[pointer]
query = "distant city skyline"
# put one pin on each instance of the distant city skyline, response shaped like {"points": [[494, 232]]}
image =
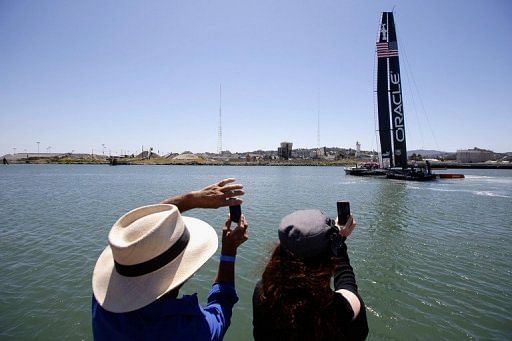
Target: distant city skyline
{"points": [[83, 76]]}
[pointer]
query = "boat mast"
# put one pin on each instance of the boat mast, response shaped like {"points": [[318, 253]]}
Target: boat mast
{"points": [[396, 100]]}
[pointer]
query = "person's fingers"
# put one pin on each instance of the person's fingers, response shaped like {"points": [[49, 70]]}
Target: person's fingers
{"points": [[238, 192], [232, 187], [346, 230], [227, 224], [233, 193], [349, 220], [349, 225], [337, 222], [241, 226], [349, 230], [243, 222], [352, 222], [223, 182], [232, 202], [245, 235], [239, 235]]}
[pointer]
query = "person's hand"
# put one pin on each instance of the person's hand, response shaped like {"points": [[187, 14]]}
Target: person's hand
{"points": [[346, 230], [233, 238], [222, 193]]}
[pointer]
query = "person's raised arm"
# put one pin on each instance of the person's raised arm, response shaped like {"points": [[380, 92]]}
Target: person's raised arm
{"points": [[219, 194], [344, 278], [231, 240], [223, 295]]}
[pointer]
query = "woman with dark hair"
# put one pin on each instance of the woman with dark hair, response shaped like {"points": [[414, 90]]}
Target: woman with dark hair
{"points": [[294, 299]]}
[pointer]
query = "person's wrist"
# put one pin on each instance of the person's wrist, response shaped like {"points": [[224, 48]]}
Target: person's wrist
{"points": [[228, 251], [187, 202], [227, 259], [183, 202]]}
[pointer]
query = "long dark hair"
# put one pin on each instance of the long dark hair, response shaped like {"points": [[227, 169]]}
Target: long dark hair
{"points": [[298, 296]]}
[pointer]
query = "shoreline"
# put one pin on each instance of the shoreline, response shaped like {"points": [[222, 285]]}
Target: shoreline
{"points": [[265, 163]]}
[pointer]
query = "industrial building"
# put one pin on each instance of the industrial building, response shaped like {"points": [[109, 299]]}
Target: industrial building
{"points": [[285, 151], [474, 155]]}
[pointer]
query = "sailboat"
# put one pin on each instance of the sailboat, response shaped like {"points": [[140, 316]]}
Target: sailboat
{"points": [[393, 157]]}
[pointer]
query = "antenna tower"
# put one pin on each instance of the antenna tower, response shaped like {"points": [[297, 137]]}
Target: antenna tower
{"points": [[219, 132], [318, 121]]}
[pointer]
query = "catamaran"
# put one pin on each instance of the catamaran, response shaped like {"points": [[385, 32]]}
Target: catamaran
{"points": [[393, 156]]}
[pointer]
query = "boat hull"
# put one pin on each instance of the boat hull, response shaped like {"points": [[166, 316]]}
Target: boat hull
{"points": [[365, 172], [451, 176], [410, 175]]}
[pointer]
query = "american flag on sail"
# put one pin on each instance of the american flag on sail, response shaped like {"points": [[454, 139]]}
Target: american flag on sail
{"points": [[387, 49]]}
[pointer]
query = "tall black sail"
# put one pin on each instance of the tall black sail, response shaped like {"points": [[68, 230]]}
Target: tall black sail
{"points": [[383, 95], [389, 95]]}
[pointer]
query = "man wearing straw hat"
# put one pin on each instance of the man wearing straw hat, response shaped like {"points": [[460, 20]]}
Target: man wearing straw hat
{"points": [[152, 251]]}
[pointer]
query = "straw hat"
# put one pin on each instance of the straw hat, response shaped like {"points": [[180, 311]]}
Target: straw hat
{"points": [[152, 250]]}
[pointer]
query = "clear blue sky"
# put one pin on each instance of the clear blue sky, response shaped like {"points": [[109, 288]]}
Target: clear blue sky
{"points": [[78, 74]]}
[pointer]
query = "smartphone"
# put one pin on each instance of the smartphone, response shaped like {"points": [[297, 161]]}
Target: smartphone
{"points": [[235, 213], [343, 212]]}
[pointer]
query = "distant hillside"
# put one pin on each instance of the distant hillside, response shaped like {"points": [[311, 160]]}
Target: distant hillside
{"points": [[426, 152]]}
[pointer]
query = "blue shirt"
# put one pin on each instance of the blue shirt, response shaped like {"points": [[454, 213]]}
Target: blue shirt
{"points": [[169, 318]]}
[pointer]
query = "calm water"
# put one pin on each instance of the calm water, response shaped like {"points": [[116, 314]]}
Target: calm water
{"points": [[432, 259]]}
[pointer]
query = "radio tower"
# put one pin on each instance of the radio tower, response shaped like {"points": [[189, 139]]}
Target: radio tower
{"points": [[318, 122], [219, 132]]}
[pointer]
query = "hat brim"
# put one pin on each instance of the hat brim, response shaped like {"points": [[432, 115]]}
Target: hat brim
{"points": [[119, 294]]}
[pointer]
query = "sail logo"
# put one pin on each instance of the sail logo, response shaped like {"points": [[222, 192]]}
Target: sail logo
{"points": [[398, 114]]}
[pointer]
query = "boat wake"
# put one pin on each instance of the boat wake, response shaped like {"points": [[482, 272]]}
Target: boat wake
{"points": [[491, 194], [482, 193], [491, 179]]}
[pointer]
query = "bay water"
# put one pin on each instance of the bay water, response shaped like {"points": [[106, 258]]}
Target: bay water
{"points": [[432, 260]]}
